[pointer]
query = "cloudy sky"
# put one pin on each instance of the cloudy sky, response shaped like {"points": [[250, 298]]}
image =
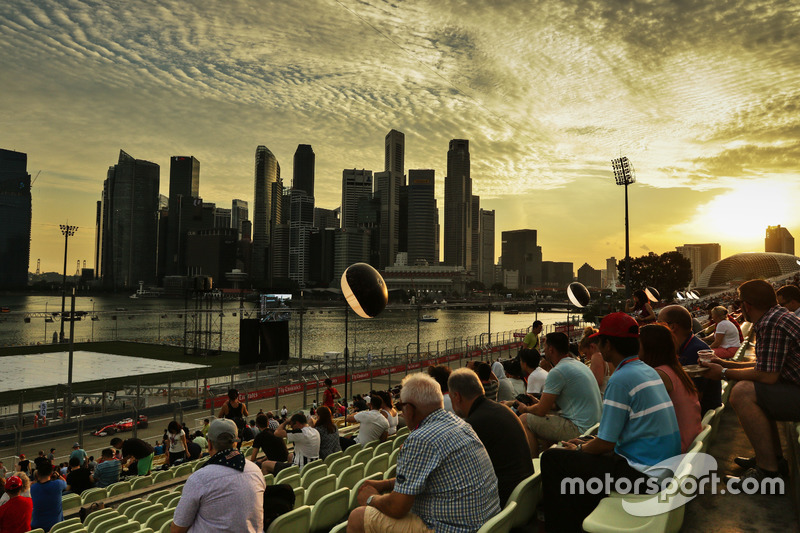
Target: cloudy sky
{"points": [[703, 96]]}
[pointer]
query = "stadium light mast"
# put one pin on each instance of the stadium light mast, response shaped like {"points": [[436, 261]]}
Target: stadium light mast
{"points": [[68, 231], [624, 175]]}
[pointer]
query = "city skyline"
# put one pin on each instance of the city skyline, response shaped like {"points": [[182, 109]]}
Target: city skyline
{"points": [[702, 104]]}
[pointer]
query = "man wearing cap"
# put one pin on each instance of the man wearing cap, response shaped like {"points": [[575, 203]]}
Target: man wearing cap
{"points": [[15, 514], [226, 494], [79, 453], [638, 429]]}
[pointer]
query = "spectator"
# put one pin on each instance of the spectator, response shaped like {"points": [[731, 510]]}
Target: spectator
{"points": [[79, 478], [107, 472], [373, 425], [227, 493], [306, 444], [328, 432], [205, 427], [498, 369], [233, 409], [41, 459], [52, 456], [274, 448], [531, 340], [679, 321], [571, 386], [177, 443], [135, 453], [488, 380], [3, 470], [330, 394], [389, 411], [498, 428], [640, 308], [445, 480], [63, 469], [158, 448], [359, 403], [273, 423], [725, 339], [789, 297], [91, 463], [46, 496], [24, 465], [254, 428], [638, 430], [658, 350], [768, 390], [15, 516], [441, 373], [26, 488], [513, 385], [193, 450], [78, 452], [201, 441], [284, 413], [601, 369], [246, 433], [529, 361]]}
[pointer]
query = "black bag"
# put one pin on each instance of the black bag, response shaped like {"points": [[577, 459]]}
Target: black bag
{"points": [[278, 500]]}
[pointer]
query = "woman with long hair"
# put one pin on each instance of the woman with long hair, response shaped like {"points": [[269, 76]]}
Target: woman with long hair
{"points": [[657, 348], [640, 308], [601, 369], [388, 410], [177, 443], [328, 432]]}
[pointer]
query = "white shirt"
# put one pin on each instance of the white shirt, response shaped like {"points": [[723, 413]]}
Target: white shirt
{"points": [[536, 380], [731, 338], [448, 403], [499, 371], [373, 424], [306, 445]]}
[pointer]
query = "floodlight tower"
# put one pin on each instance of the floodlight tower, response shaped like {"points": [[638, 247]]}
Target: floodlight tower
{"points": [[625, 175], [68, 231]]}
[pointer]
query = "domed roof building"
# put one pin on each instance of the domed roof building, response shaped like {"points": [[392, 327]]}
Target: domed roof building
{"points": [[742, 267]]}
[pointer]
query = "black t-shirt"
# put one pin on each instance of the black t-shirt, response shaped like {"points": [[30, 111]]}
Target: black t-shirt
{"points": [[273, 447], [78, 480], [40, 461], [246, 433], [138, 448], [24, 465], [194, 450]]}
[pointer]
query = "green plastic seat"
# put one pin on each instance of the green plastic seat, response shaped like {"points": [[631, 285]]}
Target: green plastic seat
{"points": [[74, 528], [402, 431], [154, 496], [65, 524], [158, 519], [591, 431], [269, 479], [184, 470], [333, 457], [706, 421], [527, 494], [329, 510], [352, 450], [378, 464], [341, 528], [141, 482], [703, 437], [391, 472], [319, 488], [171, 502], [354, 492], [338, 466], [120, 487], [166, 475], [179, 489], [372, 444], [164, 498], [350, 476], [93, 495], [299, 497], [384, 447], [292, 481], [312, 473], [132, 507], [364, 455], [501, 522], [143, 514], [107, 522], [130, 527], [399, 440], [297, 520], [715, 422], [393, 456], [97, 516], [166, 527], [286, 472], [38, 530], [70, 501]]}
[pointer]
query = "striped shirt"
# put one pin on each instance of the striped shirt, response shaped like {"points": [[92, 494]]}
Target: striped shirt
{"points": [[444, 465], [639, 416], [778, 344]]}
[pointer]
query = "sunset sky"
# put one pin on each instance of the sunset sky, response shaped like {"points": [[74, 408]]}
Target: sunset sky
{"points": [[702, 96]]}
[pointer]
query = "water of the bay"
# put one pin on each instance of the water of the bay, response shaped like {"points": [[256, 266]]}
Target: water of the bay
{"points": [[154, 320]]}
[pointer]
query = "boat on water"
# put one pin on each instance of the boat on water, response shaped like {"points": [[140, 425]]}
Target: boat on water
{"points": [[5, 309], [141, 292], [510, 311], [428, 318]]}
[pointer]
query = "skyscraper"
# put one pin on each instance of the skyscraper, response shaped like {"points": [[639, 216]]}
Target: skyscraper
{"points": [[130, 223], [458, 206], [387, 191], [266, 210], [394, 153], [421, 217], [486, 247], [356, 184], [475, 213], [184, 193], [700, 256], [303, 169], [326, 218], [522, 254], [301, 213], [779, 240], [15, 219], [239, 214]]}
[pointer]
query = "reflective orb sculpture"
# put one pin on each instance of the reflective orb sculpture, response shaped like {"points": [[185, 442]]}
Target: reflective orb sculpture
{"points": [[364, 289], [652, 294], [578, 294], [679, 296]]}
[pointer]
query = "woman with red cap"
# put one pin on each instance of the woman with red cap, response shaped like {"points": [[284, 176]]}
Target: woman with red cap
{"points": [[15, 515]]}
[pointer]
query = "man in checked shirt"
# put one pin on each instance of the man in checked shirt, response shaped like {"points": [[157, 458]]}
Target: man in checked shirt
{"points": [[445, 481]]}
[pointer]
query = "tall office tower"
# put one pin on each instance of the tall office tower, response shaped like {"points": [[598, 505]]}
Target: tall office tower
{"points": [[279, 254], [779, 240], [303, 169], [394, 153], [522, 254], [322, 255], [222, 217], [486, 247], [402, 245], [326, 218], [130, 223], [556, 275], [15, 219], [700, 256], [476, 235], [421, 217], [356, 184], [438, 239], [301, 220], [387, 190], [266, 205], [589, 276], [184, 193], [238, 214], [458, 206], [611, 272]]}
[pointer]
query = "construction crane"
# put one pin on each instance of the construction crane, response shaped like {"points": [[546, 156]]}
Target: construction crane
{"points": [[78, 269], [38, 265]]}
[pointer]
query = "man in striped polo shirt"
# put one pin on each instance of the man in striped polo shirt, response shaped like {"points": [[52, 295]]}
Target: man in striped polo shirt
{"points": [[638, 429]]}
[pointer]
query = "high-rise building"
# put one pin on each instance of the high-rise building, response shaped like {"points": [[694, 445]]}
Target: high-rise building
{"points": [[589, 276], [611, 272], [326, 218], [521, 253], [184, 195], [458, 206], [356, 184], [421, 217], [266, 210], [394, 153], [303, 169], [475, 210], [301, 221], [486, 247], [779, 240], [15, 219], [222, 217], [130, 223], [700, 256], [238, 215], [557, 274], [387, 191]]}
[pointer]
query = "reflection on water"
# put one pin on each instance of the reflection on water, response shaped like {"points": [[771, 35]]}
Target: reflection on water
{"points": [[162, 320]]}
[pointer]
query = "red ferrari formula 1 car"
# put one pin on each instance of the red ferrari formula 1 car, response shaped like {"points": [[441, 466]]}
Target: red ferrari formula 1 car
{"points": [[126, 424]]}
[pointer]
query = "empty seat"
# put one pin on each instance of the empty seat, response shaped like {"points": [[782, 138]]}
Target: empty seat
{"points": [[154, 496], [299, 497], [372, 444], [350, 476], [378, 464], [286, 472], [313, 473], [527, 495], [130, 527], [333, 457], [352, 450], [158, 477], [107, 522], [297, 520], [338, 466], [399, 440], [391, 472], [320, 488], [144, 513], [121, 487], [98, 515], [141, 482], [329, 510], [384, 447], [159, 519], [364, 455], [70, 501], [65, 524], [501, 522], [269, 479], [93, 495], [184, 470], [133, 507]]}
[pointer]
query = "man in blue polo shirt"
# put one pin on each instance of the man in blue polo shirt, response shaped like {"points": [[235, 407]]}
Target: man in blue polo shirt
{"points": [[638, 425]]}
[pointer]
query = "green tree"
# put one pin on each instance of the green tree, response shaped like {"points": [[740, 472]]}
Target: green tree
{"points": [[667, 272]]}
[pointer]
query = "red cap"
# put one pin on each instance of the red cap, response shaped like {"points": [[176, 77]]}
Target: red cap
{"points": [[22, 456], [13, 483], [618, 325]]}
